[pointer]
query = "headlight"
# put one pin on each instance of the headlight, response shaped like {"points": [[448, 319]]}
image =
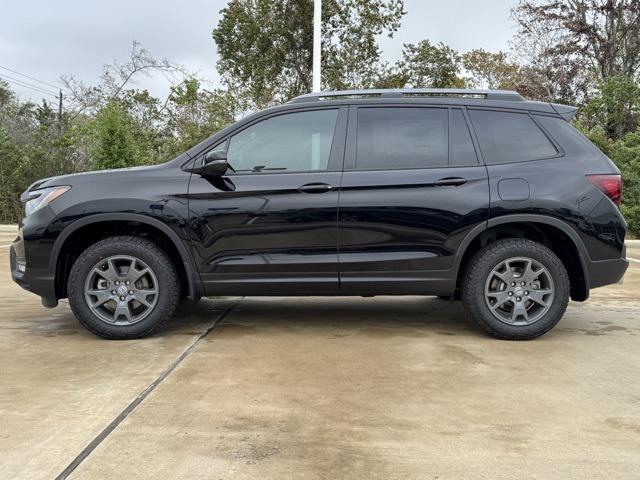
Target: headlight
{"points": [[40, 198]]}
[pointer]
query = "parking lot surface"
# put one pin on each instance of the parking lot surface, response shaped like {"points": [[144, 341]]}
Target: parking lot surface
{"points": [[317, 388]]}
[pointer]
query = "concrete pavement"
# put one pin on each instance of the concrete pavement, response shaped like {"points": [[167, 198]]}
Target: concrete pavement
{"points": [[320, 388]]}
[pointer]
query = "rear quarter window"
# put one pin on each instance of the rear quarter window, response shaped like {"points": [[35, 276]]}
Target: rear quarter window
{"points": [[567, 136], [507, 137]]}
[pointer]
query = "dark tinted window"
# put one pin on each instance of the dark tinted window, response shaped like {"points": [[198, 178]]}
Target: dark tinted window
{"points": [[509, 137], [462, 151], [401, 138], [570, 139], [292, 142]]}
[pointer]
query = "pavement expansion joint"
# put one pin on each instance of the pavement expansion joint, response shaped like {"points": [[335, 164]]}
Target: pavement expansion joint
{"points": [[91, 446]]}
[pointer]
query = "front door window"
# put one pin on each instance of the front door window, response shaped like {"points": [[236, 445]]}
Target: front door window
{"points": [[294, 142]]}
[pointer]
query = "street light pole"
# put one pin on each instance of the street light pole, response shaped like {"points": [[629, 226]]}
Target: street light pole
{"points": [[317, 46]]}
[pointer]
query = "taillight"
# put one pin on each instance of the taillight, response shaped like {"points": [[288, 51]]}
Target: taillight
{"points": [[610, 185]]}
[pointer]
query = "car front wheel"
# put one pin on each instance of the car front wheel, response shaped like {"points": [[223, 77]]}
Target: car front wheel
{"points": [[123, 287]]}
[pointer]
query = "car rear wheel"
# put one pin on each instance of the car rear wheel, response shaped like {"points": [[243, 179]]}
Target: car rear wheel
{"points": [[123, 287], [516, 289]]}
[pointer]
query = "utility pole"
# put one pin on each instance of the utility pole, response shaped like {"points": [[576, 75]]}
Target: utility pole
{"points": [[60, 154], [60, 107], [317, 45]]}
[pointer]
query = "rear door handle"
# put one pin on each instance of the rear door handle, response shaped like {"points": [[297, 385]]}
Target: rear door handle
{"points": [[451, 182], [315, 188]]}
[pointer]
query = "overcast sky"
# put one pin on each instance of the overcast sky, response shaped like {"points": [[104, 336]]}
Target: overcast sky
{"points": [[45, 39]]}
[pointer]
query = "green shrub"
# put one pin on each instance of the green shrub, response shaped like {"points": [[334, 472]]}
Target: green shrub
{"points": [[614, 106], [626, 155], [115, 145], [632, 216]]}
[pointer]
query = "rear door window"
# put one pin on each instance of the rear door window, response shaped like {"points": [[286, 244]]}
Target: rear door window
{"points": [[507, 137], [396, 138]]}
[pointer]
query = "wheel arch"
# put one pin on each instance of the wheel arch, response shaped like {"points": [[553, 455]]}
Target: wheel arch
{"points": [[552, 232], [61, 256]]}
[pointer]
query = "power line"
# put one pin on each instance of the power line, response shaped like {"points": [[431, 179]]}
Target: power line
{"points": [[26, 85], [32, 78], [3, 75]]}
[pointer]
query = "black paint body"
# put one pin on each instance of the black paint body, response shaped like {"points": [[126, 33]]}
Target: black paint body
{"points": [[369, 232]]}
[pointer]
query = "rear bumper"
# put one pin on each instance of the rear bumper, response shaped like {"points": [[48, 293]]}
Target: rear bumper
{"points": [[606, 272]]}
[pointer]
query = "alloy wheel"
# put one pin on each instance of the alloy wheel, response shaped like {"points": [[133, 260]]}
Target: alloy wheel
{"points": [[519, 291], [121, 290]]}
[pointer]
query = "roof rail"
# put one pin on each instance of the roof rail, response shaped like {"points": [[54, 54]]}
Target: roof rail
{"points": [[509, 95]]}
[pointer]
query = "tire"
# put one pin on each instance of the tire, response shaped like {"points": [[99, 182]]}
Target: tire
{"points": [[501, 308], [137, 309]]}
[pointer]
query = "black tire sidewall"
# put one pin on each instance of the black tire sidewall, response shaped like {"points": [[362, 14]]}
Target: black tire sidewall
{"points": [[142, 249], [482, 265]]}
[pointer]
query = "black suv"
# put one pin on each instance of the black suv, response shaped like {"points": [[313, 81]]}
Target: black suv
{"points": [[470, 194]]}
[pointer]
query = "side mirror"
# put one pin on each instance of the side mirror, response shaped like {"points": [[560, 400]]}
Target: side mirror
{"points": [[214, 164]]}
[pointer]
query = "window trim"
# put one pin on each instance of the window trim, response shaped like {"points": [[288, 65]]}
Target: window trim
{"points": [[351, 149], [559, 151], [471, 136], [474, 137], [336, 152], [547, 132]]}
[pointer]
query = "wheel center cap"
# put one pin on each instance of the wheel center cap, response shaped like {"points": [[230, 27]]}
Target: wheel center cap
{"points": [[518, 291], [122, 290]]}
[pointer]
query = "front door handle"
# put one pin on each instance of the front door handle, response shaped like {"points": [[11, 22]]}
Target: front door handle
{"points": [[451, 182], [315, 188]]}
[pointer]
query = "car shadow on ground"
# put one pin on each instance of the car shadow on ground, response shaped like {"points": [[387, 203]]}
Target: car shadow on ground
{"points": [[413, 316], [418, 314]]}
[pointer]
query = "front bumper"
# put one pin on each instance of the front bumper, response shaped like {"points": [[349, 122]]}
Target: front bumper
{"points": [[40, 281]]}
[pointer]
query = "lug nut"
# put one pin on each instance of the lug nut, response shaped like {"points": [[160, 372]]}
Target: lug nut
{"points": [[518, 298], [513, 284], [113, 292], [522, 283], [130, 292], [511, 294], [117, 282], [526, 292], [122, 299], [127, 282]]}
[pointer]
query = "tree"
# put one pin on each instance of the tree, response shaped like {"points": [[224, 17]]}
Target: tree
{"points": [[554, 67], [115, 146], [491, 70], [144, 130], [31, 147], [265, 46], [626, 154], [430, 65], [605, 32], [614, 107], [193, 113], [115, 79]]}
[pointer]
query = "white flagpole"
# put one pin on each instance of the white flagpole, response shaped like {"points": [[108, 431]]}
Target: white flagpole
{"points": [[317, 49]]}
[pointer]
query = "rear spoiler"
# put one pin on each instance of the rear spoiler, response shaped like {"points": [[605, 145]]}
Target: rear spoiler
{"points": [[565, 111]]}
